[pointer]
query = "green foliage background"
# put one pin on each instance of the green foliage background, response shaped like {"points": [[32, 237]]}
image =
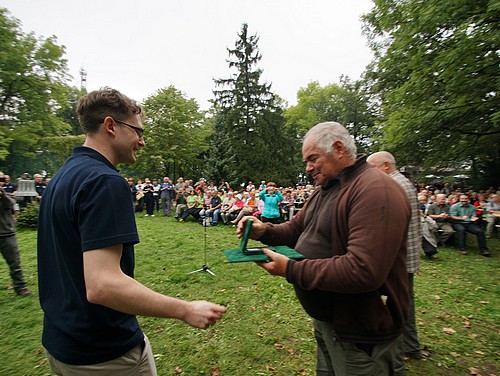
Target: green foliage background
{"points": [[431, 88]]}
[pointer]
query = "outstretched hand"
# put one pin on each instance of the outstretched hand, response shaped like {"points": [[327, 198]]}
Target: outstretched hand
{"points": [[277, 264], [202, 314]]}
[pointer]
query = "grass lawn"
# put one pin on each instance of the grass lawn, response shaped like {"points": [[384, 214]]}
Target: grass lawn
{"points": [[265, 331]]}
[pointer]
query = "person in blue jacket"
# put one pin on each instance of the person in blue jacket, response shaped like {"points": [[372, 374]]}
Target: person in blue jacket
{"points": [[272, 198]]}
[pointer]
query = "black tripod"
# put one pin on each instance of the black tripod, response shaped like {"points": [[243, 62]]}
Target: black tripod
{"points": [[204, 267]]}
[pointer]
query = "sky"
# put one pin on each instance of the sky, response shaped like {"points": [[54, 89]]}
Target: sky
{"points": [[139, 47]]}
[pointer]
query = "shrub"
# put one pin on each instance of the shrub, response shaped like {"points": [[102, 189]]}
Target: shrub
{"points": [[28, 216]]}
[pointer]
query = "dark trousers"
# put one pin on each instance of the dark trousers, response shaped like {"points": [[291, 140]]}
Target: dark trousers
{"points": [[275, 221], [10, 251], [156, 200], [337, 358], [195, 212], [150, 204], [140, 204], [408, 342], [462, 228]]}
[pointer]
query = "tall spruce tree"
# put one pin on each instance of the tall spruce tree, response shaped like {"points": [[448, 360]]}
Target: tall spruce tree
{"points": [[249, 127]]}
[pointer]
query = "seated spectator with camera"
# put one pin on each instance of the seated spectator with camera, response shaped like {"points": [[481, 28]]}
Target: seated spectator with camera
{"points": [[440, 212]]}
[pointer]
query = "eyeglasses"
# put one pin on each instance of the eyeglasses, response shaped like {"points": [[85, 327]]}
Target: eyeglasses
{"points": [[139, 131]]}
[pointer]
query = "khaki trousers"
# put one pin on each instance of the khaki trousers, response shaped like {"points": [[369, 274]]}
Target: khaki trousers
{"points": [[137, 362]]}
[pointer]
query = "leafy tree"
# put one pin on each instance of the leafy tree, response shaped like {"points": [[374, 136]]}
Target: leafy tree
{"points": [[175, 136], [249, 119], [436, 75], [344, 103], [33, 77]]}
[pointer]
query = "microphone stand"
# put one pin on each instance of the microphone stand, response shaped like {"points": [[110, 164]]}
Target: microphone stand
{"points": [[204, 267]]}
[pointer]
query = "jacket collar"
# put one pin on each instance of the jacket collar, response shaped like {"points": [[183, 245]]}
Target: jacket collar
{"points": [[349, 172]]}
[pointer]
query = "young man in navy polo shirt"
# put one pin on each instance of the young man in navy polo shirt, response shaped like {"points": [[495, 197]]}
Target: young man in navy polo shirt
{"points": [[86, 238]]}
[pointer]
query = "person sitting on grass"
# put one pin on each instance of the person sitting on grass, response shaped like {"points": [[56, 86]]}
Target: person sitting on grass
{"points": [[226, 205], [233, 210], [251, 206], [214, 208], [194, 206]]}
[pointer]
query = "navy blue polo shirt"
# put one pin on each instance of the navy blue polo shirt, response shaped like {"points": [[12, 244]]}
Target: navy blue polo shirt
{"points": [[86, 206]]}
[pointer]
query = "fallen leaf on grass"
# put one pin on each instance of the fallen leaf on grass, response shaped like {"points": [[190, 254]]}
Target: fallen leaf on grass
{"points": [[279, 346], [445, 316], [467, 324], [178, 370], [449, 330], [474, 371], [42, 362], [301, 372], [454, 354], [484, 302], [290, 351], [479, 352], [437, 297], [271, 368], [215, 371], [158, 329]]}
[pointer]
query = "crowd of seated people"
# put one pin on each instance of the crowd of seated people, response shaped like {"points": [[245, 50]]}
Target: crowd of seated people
{"points": [[445, 207], [457, 212]]}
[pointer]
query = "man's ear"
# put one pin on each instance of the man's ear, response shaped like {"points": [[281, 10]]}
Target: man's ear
{"points": [[338, 147], [109, 125]]}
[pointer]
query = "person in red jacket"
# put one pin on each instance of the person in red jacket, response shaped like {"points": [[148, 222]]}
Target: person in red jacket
{"points": [[352, 232]]}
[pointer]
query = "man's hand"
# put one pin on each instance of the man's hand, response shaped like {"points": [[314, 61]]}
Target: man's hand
{"points": [[202, 314], [258, 227], [277, 264]]}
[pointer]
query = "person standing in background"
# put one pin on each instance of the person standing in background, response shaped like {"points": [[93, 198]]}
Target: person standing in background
{"points": [[272, 198], [8, 240], [9, 187], [409, 345], [40, 186], [166, 196], [156, 195]]}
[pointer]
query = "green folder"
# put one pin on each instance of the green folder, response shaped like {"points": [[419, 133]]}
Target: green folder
{"points": [[244, 254]]}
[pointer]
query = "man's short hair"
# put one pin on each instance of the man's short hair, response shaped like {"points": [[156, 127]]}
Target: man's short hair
{"points": [[93, 107], [325, 134]]}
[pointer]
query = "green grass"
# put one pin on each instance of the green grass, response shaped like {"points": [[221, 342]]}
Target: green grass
{"points": [[265, 331]]}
